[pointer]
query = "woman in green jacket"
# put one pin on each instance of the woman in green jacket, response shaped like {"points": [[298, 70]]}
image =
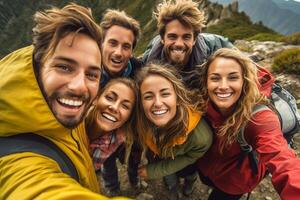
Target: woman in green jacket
{"points": [[170, 128]]}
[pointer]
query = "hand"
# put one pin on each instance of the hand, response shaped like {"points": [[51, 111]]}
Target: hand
{"points": [[142, 172]]}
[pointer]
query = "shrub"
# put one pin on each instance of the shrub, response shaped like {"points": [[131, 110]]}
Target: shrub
{"points": [[292, 39], [266, 37], [287, 61]]}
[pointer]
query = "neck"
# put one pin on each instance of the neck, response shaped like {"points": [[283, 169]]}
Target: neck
{"points": [[94, 131]]}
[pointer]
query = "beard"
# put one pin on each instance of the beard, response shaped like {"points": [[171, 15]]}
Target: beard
{"points": [[69, 121], [178, 60]]}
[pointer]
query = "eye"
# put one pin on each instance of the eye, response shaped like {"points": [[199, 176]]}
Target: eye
{"points": [[165, 94], [93, 76], [126, 106], [64, 67], [148, 97], [214, 78], [187, 37], [233, 77], [127, 47], [172, 36], [113, 43], [109, 97]]}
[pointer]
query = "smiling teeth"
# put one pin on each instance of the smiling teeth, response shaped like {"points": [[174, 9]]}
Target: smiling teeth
{"points": [[159, 112], [116, 60], [70, 102], [109, 117], [225, 95], [178, 51]]}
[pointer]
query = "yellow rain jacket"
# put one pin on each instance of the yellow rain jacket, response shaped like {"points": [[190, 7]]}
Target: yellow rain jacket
{"points": [[23, 109]]}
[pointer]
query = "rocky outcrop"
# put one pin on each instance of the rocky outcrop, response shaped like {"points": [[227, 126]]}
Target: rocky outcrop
{"points": [[215, 12], [266, 51]]}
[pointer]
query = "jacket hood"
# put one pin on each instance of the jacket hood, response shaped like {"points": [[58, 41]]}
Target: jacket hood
{"points": [[23, 109], [21, 100], [194, 118]]}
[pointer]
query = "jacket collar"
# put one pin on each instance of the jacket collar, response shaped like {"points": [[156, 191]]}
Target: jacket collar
{"points": [[105, 77], [194, 118]]}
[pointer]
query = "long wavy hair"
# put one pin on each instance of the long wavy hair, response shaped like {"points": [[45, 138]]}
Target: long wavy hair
{"points": [[250, 95], [127, 127], [175, 127]]}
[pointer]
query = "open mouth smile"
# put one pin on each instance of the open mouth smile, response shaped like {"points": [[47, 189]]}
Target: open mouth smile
{"points": [[71, 103], [224, 95], [160, 112], [109, 117]]}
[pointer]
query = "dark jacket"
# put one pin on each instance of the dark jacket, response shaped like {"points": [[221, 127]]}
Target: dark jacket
{"points": [[133, 65]]}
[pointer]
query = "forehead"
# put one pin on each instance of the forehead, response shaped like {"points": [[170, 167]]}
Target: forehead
{"points": [[120, 34], [80, 48], [155, 83], [121, 90], [176, 27], [224, 65]]}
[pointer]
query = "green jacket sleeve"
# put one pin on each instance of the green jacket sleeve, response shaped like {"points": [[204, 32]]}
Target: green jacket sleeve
{"points": [[198, 142]]}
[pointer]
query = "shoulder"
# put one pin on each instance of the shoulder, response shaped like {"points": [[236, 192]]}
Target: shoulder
{"points": [[202, 134], [153, 50], [215, 41], [264, 118], [263, 125], [136, 63]]}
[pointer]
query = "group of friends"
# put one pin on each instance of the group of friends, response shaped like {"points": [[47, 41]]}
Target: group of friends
{"points": [[174, 113]]}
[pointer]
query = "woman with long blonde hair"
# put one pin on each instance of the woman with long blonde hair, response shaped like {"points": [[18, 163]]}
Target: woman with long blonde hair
{"points": [[229, 84]]}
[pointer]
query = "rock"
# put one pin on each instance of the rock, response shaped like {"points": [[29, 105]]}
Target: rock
{"points": [[144, 196], [144, 184], [268, 198]]}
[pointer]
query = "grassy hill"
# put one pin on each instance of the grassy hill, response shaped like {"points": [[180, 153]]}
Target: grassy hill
{"points": [[16, 21]]}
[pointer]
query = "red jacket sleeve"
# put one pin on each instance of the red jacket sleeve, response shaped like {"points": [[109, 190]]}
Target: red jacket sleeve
{"points": [[274, 154]]}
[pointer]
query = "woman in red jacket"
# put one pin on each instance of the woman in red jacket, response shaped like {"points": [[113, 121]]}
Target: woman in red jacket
{"points": [[229, 84]]}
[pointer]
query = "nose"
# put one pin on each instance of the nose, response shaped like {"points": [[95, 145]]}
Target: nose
{"points": [[114, 107], [158, 102], [118, 50], [179, 42], [77, 83], [223, 84]]}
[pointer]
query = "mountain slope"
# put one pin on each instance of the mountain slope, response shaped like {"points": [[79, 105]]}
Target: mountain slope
{"points": [[16, 19], [274, 14]]}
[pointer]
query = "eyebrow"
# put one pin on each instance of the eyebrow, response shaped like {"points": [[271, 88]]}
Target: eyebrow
{"points": [[74, 62], [231, 73], [116, 95], [162, 90]]}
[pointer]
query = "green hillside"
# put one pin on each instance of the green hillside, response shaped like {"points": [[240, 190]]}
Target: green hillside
{"points": [[16, 21], [240, 27]]}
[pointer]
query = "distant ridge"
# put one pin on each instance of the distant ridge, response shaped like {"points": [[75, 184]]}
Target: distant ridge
{"points": [[275, 14]]}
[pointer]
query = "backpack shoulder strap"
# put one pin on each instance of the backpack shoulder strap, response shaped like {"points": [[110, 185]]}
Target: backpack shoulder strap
{"points": [[29, 142], [246, 148], [241, 138]]}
